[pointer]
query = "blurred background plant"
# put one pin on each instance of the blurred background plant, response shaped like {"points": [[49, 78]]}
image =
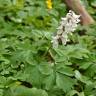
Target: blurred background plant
{"points": [[29, 66]]}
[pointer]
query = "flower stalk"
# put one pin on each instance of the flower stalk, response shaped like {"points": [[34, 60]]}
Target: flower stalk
{"points": [[67, 26]]}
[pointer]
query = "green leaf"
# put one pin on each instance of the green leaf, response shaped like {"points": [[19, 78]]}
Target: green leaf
{"points": [[65, 70], [82, 78], [49, 81], [93, 3], [24, 91], [45, 68], [64, 82], [85, 65], [72, 93], [1, 92]]}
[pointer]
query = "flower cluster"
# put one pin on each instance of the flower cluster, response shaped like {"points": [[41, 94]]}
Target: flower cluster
{"points": [[49, 4], [67, 26]]}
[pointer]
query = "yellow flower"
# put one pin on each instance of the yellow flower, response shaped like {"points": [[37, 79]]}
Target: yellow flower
{"points": [[49, 4]]}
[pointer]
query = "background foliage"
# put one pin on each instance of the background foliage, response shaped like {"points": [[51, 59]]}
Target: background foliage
{"points": [[29, 66]]}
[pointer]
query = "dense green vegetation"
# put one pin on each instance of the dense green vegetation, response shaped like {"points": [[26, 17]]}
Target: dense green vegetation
{"points": [[29, 66]]}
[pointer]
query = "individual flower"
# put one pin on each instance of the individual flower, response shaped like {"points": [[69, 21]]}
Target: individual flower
{"points": [[67, 26], [49, 4], [55, 41]]}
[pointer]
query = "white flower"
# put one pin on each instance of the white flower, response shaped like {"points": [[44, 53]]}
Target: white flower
{"points": [[67, 26], [55, 41]]}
